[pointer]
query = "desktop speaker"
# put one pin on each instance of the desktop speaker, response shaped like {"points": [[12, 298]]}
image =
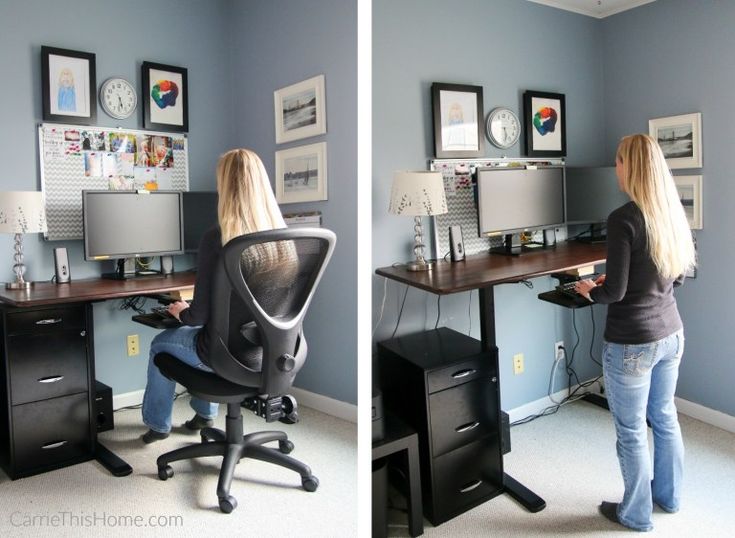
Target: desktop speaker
{"points": [[167, 265], [61, 264], [456, 242], [103, 407]]}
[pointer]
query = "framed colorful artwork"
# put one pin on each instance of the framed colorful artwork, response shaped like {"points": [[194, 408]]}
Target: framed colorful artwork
{"points": [[301, 174], [544, 122], [165, 97], [690, 194], [300, 110], [680, 138], [69, 86], [457, 110]]}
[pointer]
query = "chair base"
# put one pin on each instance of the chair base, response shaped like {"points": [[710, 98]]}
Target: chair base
{"points": [[232, 445]]}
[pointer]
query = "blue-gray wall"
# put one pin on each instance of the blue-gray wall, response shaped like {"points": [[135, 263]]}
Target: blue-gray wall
{"points": [[279, 43], [668, 58], [198, 35], [505, 46]]}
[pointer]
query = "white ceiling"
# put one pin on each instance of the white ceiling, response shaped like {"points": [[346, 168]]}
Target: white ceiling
{"points": [[594, 8]]}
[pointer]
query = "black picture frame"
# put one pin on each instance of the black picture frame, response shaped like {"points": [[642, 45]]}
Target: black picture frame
{"points": [[69, 86], [467, 139], [155, 116], [535, 144]]}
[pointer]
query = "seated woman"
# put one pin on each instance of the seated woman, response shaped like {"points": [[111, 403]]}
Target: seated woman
{"points": [[246, 205]]}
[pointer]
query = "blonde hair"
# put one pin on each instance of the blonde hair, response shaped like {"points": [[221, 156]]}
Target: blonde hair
{"points": [[246, 205], [647, 180]]}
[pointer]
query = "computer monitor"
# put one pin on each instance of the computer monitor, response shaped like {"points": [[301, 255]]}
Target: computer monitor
{"points": [[200, 214], [131, 224], [592, 194], [515, 200]]}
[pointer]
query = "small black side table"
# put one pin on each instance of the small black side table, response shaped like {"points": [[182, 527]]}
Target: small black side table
{"points": [[401, 440]]}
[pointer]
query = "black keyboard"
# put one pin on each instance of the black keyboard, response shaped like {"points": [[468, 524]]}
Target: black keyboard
{"points": [[567, 288], [158, 318], [163, 312]]}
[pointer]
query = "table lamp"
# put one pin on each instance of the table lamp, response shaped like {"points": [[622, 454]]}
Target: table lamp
{"points": [[21, 212], [418, 194]]}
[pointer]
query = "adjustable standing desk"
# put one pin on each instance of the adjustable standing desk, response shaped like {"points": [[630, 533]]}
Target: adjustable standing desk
{"points": [[483, 272], [47, 380]]}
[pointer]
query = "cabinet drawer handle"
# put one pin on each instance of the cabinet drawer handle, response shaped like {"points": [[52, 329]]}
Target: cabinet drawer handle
{"points": [[463, 373], [49, 321], [51, 379], [469, 488], [467, 427], [57, 444]]}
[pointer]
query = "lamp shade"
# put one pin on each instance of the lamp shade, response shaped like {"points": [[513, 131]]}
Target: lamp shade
{"points": [[418, 194], [22, 212]]}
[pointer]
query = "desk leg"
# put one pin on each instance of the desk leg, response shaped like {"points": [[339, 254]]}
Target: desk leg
{"points": [[415, 510], [112, 462], [515, 489]]}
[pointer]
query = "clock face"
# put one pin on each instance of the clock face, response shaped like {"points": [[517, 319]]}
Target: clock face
{"points": [[503, 128], [118, 98]]}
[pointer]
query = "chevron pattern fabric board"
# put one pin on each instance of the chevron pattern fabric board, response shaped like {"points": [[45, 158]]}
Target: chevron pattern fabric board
{"points": [[458, 186], [67, 168]]}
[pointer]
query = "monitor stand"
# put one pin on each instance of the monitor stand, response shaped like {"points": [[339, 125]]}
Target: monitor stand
{"points": [[512, 246], [596, 234], [120, 274]]}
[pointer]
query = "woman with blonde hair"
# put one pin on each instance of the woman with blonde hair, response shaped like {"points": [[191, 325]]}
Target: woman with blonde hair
{"points": [[246, 204], [649, 250]]}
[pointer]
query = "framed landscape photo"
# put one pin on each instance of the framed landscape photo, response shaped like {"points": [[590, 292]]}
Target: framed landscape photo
{"points": [[544, 122], [458, 111], [165, 97], [680, 138], [300, 110], [690, 194], [69, 86], [301, 174]]}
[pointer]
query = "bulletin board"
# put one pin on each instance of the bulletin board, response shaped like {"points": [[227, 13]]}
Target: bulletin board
{"points": [[75, 158], [462, 210]]}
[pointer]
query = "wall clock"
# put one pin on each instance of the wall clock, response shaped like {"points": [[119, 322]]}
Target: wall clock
{"points": [[502, 127], [118, 98]]}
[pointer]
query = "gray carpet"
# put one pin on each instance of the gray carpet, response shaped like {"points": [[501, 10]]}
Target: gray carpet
{"points": [[569, 460], [271, 502]]}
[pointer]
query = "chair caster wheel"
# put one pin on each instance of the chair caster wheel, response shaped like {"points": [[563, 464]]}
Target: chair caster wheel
{"points": [[164, 473], [285, 447], [310, 483], [227, 504]]}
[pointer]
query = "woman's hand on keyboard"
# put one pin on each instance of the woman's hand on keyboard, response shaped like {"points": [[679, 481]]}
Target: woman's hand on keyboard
{"points": [[176, 308], [600, 280], [583, 287]]}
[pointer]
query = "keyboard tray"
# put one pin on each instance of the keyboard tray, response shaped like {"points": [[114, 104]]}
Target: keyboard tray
{"points": [[156, 321], [562, 299]]}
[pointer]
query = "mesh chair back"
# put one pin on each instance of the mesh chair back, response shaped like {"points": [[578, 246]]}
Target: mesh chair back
{"points": [[262, 289]]}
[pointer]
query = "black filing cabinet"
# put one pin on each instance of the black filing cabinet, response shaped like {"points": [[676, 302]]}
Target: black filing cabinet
{"points": [[46, 388], [445, 386]]}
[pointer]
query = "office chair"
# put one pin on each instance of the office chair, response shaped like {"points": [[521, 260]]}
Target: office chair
{"points": [[262, 288]]}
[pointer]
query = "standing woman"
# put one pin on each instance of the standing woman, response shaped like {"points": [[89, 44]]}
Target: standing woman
{"points": [[246, 205], [649, 249]]}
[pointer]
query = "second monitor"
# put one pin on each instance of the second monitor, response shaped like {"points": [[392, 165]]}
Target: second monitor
{"points": [[592, 194]]}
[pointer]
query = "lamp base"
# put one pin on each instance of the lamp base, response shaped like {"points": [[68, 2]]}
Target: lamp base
{"points": [[18, 285], [416, 266]]}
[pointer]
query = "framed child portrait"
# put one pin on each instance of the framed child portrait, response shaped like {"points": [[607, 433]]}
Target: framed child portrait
{"points": [[69, 86]]}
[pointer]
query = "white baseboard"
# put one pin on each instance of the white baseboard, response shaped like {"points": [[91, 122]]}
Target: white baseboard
{"points": [[330, 406], [535, 407], [705, 414]]}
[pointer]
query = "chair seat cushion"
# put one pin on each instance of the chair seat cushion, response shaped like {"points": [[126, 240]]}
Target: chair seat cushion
{"points": [[205, 385]]}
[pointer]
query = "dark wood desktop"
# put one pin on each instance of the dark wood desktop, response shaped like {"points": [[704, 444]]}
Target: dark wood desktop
{"points": [[483, 272], [47, 382]]}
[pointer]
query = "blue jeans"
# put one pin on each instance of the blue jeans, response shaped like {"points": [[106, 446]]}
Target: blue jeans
{"points": [[640, 381], [158, 400]]}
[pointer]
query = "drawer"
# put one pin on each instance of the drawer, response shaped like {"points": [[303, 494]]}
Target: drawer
{"points": [[46, 320], [466, 477], [459, 372], [47, 366], [463, 414], [51, 432]]}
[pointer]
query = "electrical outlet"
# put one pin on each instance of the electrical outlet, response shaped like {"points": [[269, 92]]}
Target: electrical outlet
{"points": [[133, 345], [559, 350], [518, 363]]}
